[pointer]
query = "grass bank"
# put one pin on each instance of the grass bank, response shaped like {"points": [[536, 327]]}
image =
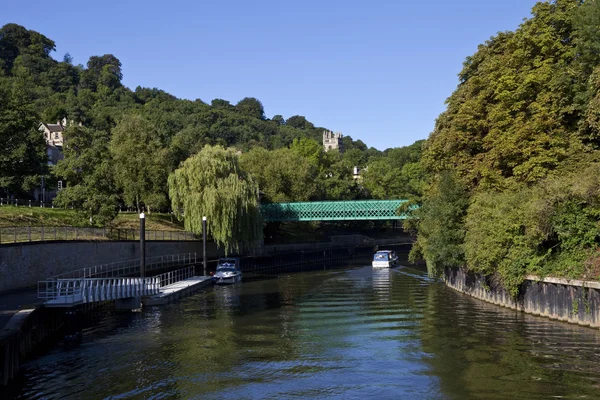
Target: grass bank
{"points": [[36, 216]]}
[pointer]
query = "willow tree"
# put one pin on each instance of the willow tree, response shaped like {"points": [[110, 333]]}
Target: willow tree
{"points": [[212, 184]]}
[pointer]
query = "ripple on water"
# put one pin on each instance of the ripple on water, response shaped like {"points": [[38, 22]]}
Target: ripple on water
{"points": [[354, 333]]}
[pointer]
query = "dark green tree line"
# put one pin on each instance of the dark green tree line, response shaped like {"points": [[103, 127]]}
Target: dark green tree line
{"points": [[520, 134]]}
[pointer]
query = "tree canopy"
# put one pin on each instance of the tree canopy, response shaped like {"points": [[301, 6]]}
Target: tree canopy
{"points": [[211, 184], [130, 141], [520, 134]]}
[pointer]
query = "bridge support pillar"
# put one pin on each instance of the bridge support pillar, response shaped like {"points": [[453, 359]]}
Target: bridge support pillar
{"points": [[128, 304]]}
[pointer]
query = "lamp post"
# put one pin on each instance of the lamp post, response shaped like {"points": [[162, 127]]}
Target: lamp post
{"points": [[204, 244], [142, 245]]}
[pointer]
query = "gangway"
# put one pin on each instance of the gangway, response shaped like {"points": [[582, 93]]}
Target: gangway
{"points": [[115, 281], [70, 292]]}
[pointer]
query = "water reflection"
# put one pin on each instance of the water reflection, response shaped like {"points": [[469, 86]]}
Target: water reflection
{"points": [[351, 333], [381, 279]]}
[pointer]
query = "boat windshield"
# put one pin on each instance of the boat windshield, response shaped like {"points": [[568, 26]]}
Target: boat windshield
{"points": [[381, 257], [225, 269]]}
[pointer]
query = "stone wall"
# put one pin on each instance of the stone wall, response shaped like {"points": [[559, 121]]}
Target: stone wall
{"points": [[24, 264], [573, 301]]}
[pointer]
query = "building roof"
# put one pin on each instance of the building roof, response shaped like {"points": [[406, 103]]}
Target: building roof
{"points": [[54, 127]]}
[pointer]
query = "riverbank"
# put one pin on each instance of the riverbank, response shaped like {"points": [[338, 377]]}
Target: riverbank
{"points": [[573, 301]]}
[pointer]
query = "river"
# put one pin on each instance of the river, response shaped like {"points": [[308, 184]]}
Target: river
{"points": [[344, 333]]}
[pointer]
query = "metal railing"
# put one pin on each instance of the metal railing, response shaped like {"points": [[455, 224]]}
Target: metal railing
{"points": [[19, 234], [88, 290], [26, 203], [5, 201], [69, 291], [129, 267], [169, 278]]}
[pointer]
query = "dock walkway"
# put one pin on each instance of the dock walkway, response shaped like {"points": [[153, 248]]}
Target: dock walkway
{"points": [[177, 290]]}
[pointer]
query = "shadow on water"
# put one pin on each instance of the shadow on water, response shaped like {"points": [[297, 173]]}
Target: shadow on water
{"points": [[346, 331]]}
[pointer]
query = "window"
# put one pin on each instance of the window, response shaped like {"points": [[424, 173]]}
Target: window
{"points": [[55, 135]]}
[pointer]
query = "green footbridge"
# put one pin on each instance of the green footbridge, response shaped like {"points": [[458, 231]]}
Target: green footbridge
{"points": [[355, 210]]}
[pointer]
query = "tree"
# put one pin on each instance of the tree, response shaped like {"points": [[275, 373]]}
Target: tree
{"points": [[16, 40], [87, 168], [299, 122], [355, 157], [311, 150], [140, 162], [23, 157], [251, 107], [211, 184], [282, 175], [513, 114], [220, 103], [185, 143], [104, 70], [441, 224], [336, 180], [278, 119], [397, 174]]}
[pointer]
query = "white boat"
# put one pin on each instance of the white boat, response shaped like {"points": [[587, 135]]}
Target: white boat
{"points": [[228, 271], [385, 259]]}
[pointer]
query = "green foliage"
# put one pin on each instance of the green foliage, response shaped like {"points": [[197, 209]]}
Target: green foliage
{"points": [[88, 169], [139, 162], [251, 107], [212, 184], [521, 131], [299, 122], [310, 149], [130, 141], [23, 156], [549, 228], [512, 112], [282, 175], [441, 224], [398, 174]]}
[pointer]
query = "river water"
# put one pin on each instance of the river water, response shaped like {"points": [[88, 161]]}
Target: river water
{"points": [[350, 333]]}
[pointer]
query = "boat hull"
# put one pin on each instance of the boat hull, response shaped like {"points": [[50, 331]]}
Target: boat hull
{"points": [[383, 264], [227, 280]]}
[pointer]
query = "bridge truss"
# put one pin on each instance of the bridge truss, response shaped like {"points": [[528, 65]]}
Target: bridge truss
{"points": [[333, 210]]}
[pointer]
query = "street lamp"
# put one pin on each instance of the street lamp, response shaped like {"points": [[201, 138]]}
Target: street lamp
{"points": [[142, 245], [204, 244]]}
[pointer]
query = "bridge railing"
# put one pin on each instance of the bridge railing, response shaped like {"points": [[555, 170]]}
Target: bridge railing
{"points": [[19, 234]]}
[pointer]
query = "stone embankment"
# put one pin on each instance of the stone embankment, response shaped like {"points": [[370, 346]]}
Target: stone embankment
{"points": [[573, 301]]}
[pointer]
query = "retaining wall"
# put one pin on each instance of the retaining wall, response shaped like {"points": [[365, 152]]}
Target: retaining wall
{"points": [[573, 301], [22, 265]]}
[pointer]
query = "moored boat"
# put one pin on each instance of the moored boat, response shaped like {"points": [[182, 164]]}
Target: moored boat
{"points": [[385, 259], [228, 271]]}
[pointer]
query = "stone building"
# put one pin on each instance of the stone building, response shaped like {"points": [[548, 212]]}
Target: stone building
{"points": [[53, 133], [332, 141]]}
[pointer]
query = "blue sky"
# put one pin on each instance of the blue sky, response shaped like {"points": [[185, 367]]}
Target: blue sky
{"points": [[376, 70]]}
